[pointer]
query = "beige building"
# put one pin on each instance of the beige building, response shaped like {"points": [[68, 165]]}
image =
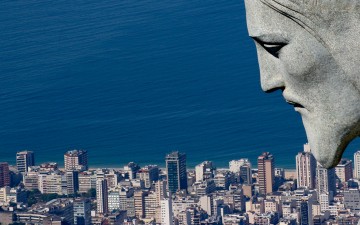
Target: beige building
{"points": [[151, 205], [344, 170], [271, 206], [30, 180], [305, 168], [76, 160], [139, 199], [86, 182], [101, 196], [357, 165], [266, 173], [50, 183]]}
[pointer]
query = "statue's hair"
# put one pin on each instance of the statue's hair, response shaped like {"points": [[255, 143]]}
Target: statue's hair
{"points": [[317, 6], [334, 23], [315, 15]]}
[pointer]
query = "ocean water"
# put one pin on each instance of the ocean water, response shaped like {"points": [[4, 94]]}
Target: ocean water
{"points": [[134, 80]]}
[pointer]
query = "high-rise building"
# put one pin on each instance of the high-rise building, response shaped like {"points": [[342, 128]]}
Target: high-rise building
{"points": [[160, 189], [24, 160], [306, 213], [50, 183], [31, 180], [101, 195], [4, 174], [86, 182], [166, 212], [204, 170], [72, 182], [266, 173], [326, 182], [82, 211], [126, 196], [114, 200], [344, 170], [151, 205], [149, 174], [112, 178], [352, 199], [357, 164], [176, 171], [131, 169], [76, 160], [139, 200], [245, 173], [305, 168]]}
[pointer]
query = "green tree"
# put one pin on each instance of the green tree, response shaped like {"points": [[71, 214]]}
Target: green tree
{"points": [[48, 197], [91, 193]]}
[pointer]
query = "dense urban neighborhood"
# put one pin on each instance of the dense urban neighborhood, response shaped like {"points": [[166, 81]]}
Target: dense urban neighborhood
{"points": [[241, 194]]}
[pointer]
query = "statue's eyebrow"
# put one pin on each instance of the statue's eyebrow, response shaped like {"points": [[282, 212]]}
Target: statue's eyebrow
{"points": [[270, 38]]}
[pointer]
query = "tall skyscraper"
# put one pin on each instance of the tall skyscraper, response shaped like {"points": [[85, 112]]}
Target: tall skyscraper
{"points": [[101, 195], [357, 164], [82, 211], [4, 174], [166, 212], [326, 182], [306, 212], [266, 173], [344, 170], [176, 171], [76, 160], [305, 168], [24, 160]]}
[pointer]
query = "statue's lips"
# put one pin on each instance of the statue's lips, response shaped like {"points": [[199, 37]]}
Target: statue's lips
{"points": [[295, 104], [292, 100]]}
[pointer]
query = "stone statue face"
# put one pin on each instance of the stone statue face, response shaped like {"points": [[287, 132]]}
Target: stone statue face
{"points": [[312, 62]]}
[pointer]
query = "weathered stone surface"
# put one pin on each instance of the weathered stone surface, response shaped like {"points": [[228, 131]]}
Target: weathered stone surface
{"points": [[310, 49]]}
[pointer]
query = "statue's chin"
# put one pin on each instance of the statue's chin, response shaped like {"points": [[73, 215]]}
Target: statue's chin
{"points": [[328, 142]]}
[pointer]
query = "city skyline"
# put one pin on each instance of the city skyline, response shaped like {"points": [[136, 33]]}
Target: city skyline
{"points": [[146, 192]]}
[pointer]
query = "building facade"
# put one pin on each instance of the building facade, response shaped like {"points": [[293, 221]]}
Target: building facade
{"points": [[204, 170], [82, 212], [305, 169], [76, 160], [24, 160], [357, 164], [266, 173], [176, 171], [101, 196], [4, 174], [344, 170], [166, 212]]}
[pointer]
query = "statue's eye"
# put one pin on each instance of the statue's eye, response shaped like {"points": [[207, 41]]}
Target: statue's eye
{"points": [[272, 48]]}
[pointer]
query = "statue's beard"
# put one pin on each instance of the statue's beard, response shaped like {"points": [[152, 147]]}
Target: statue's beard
{"points": [[329, 140]]}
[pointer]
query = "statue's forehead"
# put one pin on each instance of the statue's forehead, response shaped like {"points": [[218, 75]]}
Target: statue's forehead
{"points": [[263, 20]]}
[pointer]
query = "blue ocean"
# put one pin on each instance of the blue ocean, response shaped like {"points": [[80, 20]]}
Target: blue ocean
{"points": [[134, 80]]}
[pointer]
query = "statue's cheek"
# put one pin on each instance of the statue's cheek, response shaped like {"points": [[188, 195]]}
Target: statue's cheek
{"points": [[305, 61]]}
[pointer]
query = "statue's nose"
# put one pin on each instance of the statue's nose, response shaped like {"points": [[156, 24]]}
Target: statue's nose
{"points": [[271, 72], [271, 82]]}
